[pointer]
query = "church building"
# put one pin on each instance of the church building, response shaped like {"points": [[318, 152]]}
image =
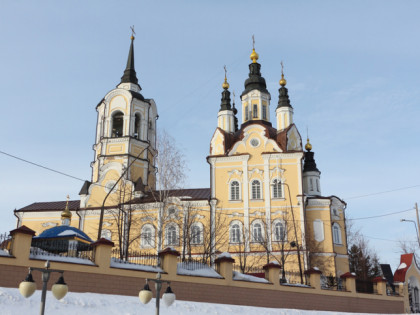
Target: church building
{"points": [[264, 203]]}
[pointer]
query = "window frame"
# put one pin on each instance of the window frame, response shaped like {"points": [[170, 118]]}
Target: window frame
{"points": [[113, 117], [258, 190], [255, 111], [277, 186], [174, 230], [283, 225], [264, 112], [236, 193], [336, 234], [144, 243], [200, 240], [235, 235]]}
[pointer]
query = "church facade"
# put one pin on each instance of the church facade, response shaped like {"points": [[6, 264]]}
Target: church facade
{"points": [[264, 203]]}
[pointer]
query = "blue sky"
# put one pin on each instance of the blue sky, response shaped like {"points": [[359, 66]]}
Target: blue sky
{"points": [[352, 70]]}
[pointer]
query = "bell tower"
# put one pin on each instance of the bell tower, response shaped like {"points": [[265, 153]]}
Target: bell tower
{"points": [[125, 142]]}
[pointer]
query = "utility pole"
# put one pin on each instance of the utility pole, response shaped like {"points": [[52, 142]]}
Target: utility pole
{"points": [[418, 224]]}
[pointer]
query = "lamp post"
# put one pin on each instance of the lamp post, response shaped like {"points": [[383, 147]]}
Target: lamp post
{"points": [[28, 287], [415, 225], [146, 294]]}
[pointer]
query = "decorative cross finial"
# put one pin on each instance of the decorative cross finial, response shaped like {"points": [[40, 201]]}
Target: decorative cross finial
{"points": [[224, 67], [282, 66], [233, 94], [132, 32], [68, 197], [253, 42], [225, 84]]}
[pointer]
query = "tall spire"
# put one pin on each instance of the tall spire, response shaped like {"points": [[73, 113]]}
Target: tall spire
{"points": [[225, 104], [129, 72], [283, 92], [255, 80], [66, 214], [309, 165]]}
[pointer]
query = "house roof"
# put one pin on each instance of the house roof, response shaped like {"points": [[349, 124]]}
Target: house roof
{"points": [[186, 194], [63, 231], [51, 206], [405, 263]]}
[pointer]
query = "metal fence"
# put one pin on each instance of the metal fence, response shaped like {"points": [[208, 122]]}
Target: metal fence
{"points": [[192, 264], [61, 248], [293, 277], [135, 257], [249, 270], [332, 283]]}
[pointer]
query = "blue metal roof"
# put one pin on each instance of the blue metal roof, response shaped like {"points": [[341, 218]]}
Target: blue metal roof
{"points": [[63, 231]]}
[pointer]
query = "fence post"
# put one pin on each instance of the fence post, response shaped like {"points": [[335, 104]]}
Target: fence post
{"points": [[224, 266], [350, 281], [169, 261], [314, 278], [102, 252], [21, 242], [272, 273], [380, 284]]}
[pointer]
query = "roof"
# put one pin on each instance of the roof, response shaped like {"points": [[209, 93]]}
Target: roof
{"points": [[63, 231], [51, 206], [185, 194], [405, 263], [270, 132]]}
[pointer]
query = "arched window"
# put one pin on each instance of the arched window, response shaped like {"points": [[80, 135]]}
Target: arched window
{"points": [[255, 111], [171, 235], [235, 233], [137, 121], [256, 189], [147, 236], [264, 112], [336, 233], [117, 124], [280, 233], [257, 232], [196, 234], [277, 189], [246, 113], [234, 190]]}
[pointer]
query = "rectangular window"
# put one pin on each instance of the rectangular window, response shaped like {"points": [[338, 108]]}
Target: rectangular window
{"points": [[265, 112], [255, 111], [246, 113]]}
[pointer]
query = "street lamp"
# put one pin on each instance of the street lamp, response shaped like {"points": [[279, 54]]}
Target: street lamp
{"points": [[146, 294], [28, 287], [415, 225]]}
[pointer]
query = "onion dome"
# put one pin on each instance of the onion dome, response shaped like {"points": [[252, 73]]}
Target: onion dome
{"points": [[255, 81], [66, 214], [225, 101], [283, 92], [309, 164]]}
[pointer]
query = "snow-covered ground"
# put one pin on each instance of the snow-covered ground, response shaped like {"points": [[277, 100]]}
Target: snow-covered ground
{"points": [[12, 303]]}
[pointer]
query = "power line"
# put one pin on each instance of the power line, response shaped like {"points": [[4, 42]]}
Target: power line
{"points": [[42, 166], [382, 192], [381, 215]]}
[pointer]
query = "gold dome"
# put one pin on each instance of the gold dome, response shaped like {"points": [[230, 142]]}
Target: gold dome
{"points": [[283, 81], [132, 37], [254, 56], [308, 146], [66, 214], [225, 85]]}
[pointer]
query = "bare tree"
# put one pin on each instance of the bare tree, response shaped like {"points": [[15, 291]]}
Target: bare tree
{"points": [[216, 238]]}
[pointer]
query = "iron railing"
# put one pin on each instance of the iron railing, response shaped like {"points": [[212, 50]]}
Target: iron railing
{"points": [[332, 283], [249, 270], [192, 264], [135, 258], [364, 286], [61, 248]]}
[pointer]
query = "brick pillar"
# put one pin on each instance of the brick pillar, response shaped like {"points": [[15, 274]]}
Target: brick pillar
{"points": [[168, 261], [380, 284], [21, 243], [314, 278], [272, 273], [102, 253], [224, 265], [350, 281]]}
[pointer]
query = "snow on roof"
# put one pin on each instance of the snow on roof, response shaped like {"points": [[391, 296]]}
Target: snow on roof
{"points": [[48, 256], [241, 277], [63, 231], [4, 252], [224, 255], [402, 266]]}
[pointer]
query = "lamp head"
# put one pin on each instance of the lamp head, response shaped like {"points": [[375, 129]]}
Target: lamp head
{"points": [[168, 297], [60, 288], [146, 294], [27, 287]]}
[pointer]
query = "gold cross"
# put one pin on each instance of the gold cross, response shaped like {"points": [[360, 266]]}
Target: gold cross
{"points": [[282, 67], [132, 31], [253, 42], [225, 71]]}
